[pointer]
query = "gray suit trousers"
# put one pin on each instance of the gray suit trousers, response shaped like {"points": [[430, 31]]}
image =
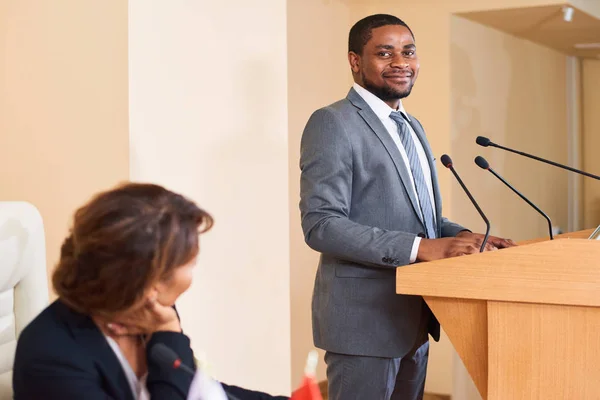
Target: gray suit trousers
{"points": [[352, 377], [376, 378]]}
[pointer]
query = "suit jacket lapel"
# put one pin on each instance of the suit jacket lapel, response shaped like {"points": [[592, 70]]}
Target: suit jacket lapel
{"points": [[377, 127], [89, 336], [430, 159]]}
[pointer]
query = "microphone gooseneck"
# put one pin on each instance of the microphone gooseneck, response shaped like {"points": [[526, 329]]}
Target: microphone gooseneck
{"points": [[447, 162], [485, 142], [483, 164]]}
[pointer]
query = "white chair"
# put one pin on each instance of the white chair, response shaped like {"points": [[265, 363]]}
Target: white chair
{"points": [[23, 279]]}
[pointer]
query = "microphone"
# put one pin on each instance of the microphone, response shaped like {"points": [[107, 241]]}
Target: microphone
{"points": [[485, 142], [163, 354], [447, 162], [483, 164]]}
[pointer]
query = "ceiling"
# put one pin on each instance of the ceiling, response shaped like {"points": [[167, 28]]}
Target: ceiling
{"points": [[546, 25]]}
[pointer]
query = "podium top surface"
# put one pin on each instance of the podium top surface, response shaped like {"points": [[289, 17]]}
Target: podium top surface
{"points": [[562, 271]]}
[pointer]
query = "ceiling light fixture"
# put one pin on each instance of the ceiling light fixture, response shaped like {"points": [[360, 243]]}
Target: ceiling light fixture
{"points": [[587, 46], [568, 13]]}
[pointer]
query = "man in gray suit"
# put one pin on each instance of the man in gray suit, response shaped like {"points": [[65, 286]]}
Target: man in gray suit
{"points": [[370, 202]]}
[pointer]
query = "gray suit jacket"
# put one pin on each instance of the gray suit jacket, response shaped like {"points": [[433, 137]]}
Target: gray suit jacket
{"points": [[360, 212]]}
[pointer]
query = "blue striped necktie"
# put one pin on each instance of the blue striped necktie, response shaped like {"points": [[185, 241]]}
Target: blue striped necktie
{"points": [[417, 173]]}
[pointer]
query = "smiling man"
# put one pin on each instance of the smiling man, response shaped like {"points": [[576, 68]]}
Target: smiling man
{"points": [[370, 203]]}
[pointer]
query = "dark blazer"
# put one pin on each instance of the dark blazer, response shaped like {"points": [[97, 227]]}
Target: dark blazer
{"points": [[61, 354]]}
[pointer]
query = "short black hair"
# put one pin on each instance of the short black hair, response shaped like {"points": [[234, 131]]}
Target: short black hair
{"points": [[361, 32]]}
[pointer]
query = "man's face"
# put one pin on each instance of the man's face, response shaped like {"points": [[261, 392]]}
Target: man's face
{"points": [[388, 66]]}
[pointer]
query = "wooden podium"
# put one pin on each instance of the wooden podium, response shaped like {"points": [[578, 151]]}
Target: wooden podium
{"points": [[525, 321]]}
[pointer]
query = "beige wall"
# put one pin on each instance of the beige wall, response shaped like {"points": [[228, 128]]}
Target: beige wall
{"points": [[513, 92], [318, 75], [591, 7], [208, 89], [63, 105], [591, 141]]}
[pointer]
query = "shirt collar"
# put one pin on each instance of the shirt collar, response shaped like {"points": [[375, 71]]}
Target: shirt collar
{"points": [[379, 107]]}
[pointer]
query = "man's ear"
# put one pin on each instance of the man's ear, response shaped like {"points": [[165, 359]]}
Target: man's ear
{"points": [[354, 60]]}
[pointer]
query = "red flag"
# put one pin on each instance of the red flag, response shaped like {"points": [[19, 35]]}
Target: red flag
{"points": [[309, 389]]}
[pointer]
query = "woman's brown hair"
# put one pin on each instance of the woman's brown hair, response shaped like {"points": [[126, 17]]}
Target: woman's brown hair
{"points": [[122, 242]]}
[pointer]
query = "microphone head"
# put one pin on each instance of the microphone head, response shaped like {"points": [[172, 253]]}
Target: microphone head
{"points": [[483, 141], [446, 161], [482, 162], [163, 354]]}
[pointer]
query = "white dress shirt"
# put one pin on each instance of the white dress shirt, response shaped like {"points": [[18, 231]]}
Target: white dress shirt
{"points": [[138, 386], [383, 111]]}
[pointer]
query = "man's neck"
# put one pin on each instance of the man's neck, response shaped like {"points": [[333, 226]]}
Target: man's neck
{"points": [[394, 104]]}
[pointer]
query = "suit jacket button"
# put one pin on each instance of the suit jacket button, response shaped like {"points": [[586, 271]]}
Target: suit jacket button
{"points": [[385, 259], [396, 261], [421, 235]]}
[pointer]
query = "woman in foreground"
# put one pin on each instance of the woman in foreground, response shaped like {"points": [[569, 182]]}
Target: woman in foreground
{"points": [[129, 256]]}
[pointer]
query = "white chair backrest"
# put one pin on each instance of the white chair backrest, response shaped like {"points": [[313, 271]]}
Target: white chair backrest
{"points": [[23, 279]]}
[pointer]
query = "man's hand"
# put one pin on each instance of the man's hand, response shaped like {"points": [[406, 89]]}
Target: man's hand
{"points": [[464, 243], [493, 242]]}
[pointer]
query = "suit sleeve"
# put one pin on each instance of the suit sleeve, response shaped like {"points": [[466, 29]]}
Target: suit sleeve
{"points": [[325, 200], [164, 382], [58, 380], [451, 229], [247, 394]]}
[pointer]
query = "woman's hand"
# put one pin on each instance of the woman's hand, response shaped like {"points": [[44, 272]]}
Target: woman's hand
{"points": [[149, 318]]}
